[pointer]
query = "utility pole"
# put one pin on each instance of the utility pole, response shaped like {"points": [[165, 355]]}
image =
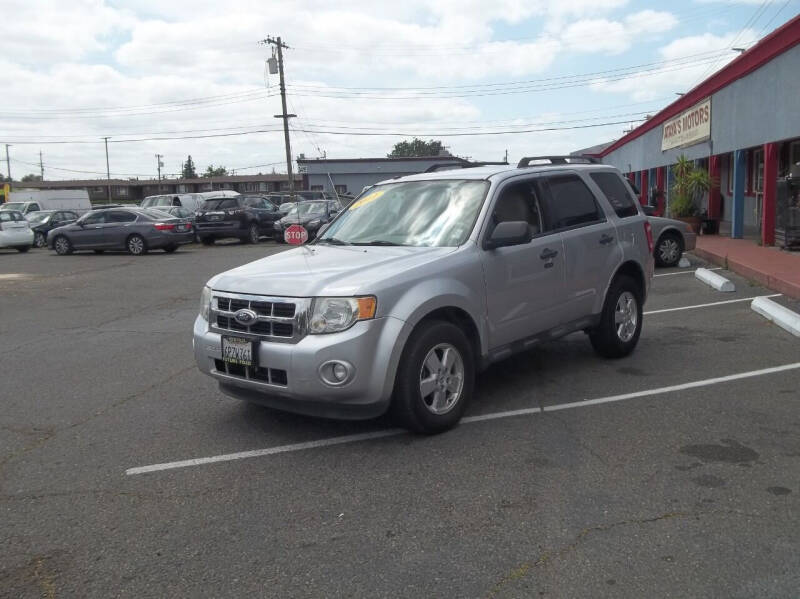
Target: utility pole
{"points": [[8, 164], [108, 171], [41, 165], [159, 165], [276, 42]]}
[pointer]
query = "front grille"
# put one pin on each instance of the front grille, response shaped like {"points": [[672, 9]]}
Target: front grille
{"points": [[277, 319], [271, 376]]}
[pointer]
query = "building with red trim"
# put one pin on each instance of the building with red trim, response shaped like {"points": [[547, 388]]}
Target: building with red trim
{"points": [[742, 123]]}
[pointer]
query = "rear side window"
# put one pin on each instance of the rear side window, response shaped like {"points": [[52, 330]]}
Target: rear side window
{"points": [[119, 216], [7, 216], [572, 203], [617, 193]]}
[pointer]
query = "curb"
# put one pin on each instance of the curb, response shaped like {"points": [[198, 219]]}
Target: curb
{"points": [[787, 288], [716, 281], [781, 316]]}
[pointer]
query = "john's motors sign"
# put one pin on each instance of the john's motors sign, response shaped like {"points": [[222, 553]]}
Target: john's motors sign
{"points": [[688, 128]]}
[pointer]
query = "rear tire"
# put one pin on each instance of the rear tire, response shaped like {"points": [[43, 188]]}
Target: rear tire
{"points": [[136, 245], [435, 378], [669, 250], [207, 240], [39, 239], [62, 245], [620, 321]]}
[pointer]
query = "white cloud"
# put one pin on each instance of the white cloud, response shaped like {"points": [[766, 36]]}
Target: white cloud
{"points": [[679, 77], [615, 37]]}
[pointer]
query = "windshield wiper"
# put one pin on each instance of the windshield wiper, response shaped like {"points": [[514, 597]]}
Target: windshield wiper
{"points": [[377, 242], [333, 241]]}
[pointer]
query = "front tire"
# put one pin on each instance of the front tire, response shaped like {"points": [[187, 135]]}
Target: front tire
{"points": [[136, 245], [39, 239], [435, 379], [170, 249], [669, 250], [620, 321], [252, 234], [207, 240], [23, 248], [62, 246]]}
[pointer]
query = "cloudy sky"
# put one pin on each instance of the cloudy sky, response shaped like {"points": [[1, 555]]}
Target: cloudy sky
{"points": [[486, 77]]}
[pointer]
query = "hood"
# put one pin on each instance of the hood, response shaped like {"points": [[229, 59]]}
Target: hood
{"points": [[318, 270]]}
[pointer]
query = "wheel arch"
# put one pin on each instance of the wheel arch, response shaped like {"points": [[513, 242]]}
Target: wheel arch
{"points": [[633, 270]]}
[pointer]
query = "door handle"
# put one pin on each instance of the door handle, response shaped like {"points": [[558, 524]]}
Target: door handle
{"points": [[548, 254], [606, 239]]}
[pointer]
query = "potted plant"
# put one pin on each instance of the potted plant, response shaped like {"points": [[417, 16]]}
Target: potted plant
{"points": [[690, 183]]}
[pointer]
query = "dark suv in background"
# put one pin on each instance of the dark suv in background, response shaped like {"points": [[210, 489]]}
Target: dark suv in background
{"points": [[243, 217]]}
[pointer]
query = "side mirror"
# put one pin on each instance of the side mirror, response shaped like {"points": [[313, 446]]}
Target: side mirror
{"points": [[513, 232]]}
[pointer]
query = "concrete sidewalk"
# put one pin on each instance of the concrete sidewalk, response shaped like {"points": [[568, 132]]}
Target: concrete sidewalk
{"points": [[769, 266]]}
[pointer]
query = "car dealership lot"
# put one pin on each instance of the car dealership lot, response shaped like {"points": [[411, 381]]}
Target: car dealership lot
{"points": [[650, 490]]}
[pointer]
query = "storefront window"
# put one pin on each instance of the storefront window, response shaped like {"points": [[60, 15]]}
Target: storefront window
{"points": [[757, 176]]}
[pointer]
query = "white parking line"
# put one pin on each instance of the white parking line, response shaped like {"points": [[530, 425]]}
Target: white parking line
{"points": [[228, 457], [683, 272], [733, 301]]}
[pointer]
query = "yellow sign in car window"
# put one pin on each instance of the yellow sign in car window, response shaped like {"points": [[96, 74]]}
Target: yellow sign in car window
{"points": [[370, 197]]}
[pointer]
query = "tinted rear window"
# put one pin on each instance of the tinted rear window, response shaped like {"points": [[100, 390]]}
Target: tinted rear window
{"points": [[617, 193], [221, 204], [573, 203]]}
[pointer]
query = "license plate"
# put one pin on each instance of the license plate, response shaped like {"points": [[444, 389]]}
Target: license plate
{"points": [[181, 227], [238, 350], [215, 217]]}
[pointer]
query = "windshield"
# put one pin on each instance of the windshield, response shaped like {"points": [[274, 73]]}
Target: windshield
{"points": [[13, 206], [306, 209], [417, 213], [38, 217]]}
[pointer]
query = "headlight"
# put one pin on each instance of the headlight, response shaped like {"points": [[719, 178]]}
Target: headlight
{"points": [[205, 302], [334, 314]]}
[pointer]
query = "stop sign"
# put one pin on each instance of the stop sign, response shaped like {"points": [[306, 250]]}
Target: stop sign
{"points": [[295, 234]]}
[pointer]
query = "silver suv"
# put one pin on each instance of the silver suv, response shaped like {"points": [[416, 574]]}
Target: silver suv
{"points": [[424, 281]]}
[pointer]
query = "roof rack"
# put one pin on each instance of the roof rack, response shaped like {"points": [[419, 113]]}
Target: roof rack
{"points": [[446, 165], [525, 162]]}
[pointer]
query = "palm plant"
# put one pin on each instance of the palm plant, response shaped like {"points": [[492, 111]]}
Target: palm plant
{"points": [[690, 182]]}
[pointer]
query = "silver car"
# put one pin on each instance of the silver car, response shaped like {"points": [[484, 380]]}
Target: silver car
{"points": [[424, 281], [673, 237], [136, 230]]}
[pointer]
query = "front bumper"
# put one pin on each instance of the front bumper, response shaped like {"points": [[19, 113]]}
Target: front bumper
{"points": [[372, 347]]}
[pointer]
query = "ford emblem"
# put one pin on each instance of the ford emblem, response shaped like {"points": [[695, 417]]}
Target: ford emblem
{"points": [[245, 316]]}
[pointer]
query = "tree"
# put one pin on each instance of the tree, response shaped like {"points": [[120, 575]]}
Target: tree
{"points": [[418, 147], [31, 178], [187, 169], [212, 171]]}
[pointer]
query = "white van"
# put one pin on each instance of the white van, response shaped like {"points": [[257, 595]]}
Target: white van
{"points": [[192, 201], [33, 200]]}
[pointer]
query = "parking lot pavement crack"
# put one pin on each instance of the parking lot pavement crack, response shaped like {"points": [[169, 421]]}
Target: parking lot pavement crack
{"points": [[581, 443]]}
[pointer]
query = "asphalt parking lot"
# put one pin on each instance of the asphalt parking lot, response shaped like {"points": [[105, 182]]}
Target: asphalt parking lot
{"points": [[681, 478]]}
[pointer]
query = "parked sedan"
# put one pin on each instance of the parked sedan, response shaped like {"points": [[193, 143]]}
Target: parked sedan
{"points": [[311, 215], [136, 230], [672, 238], [15, 231], [44, 221]]}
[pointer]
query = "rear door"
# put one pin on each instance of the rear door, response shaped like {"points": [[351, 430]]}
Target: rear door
{"points": [[591, 247], [116, 229], [524, 283]]}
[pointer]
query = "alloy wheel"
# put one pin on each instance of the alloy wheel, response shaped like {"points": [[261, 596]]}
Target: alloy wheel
{"points": [[441, 378], [626, 316]]}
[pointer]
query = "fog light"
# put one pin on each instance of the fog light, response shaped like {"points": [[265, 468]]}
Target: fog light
{"points": [[339, 371], [336, 373]]}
